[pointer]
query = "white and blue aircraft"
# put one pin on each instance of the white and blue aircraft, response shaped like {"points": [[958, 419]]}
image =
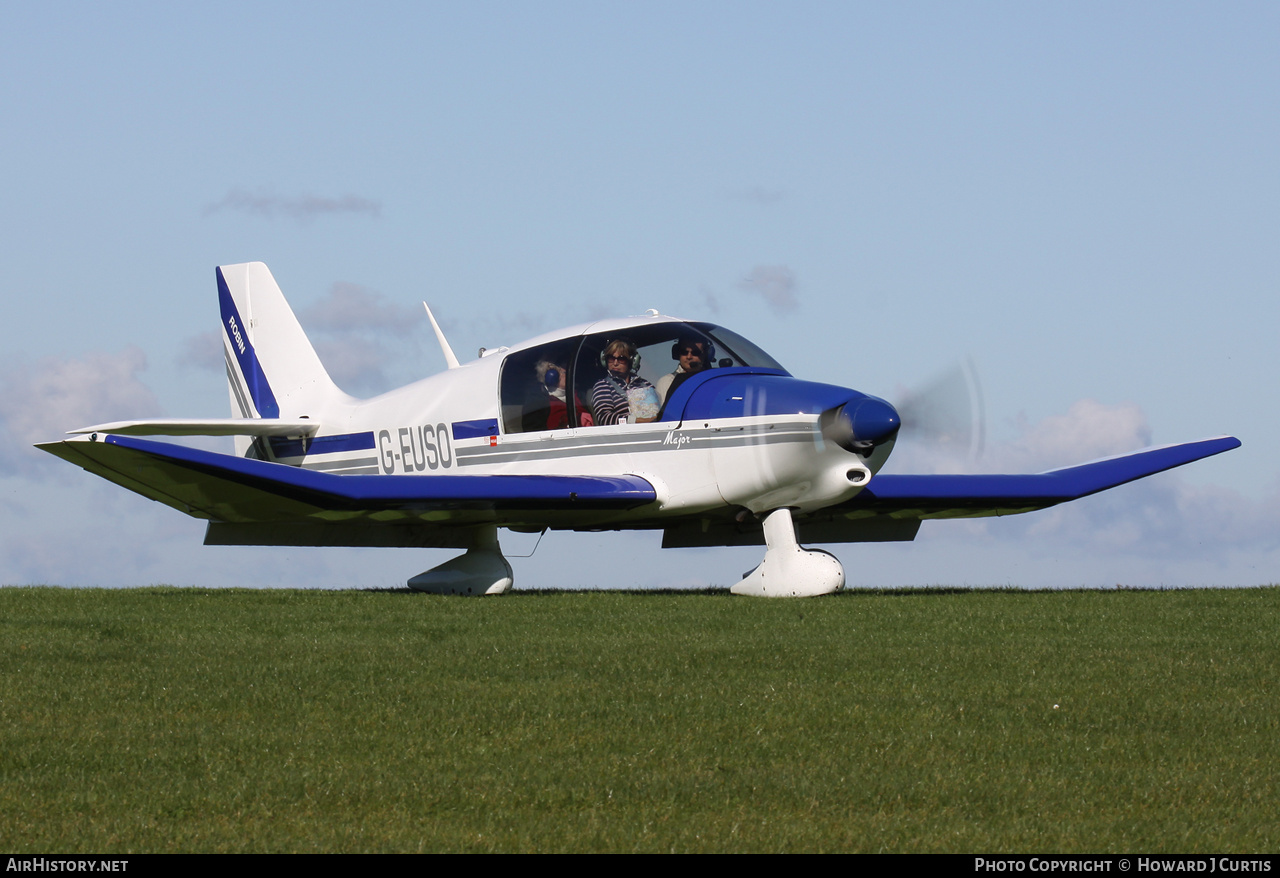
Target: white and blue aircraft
{"points": [[731, 451]]}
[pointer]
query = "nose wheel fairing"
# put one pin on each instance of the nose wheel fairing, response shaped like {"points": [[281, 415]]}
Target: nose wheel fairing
{"points": [[789, 570]]}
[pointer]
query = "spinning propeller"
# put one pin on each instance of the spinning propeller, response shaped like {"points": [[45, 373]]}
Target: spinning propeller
{"points": [[948, 412]]}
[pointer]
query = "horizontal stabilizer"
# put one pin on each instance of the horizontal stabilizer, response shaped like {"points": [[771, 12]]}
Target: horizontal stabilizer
{"points": [[237, 490], [974, 496], [205, 427]]}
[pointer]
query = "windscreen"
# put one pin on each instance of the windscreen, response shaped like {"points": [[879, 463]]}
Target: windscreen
{"points": [[615, 377]]}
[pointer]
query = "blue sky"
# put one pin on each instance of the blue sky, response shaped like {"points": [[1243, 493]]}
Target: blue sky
{"points": [[1084, 198]]}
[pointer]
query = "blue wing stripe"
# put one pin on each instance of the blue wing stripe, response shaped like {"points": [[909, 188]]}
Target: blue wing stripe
{"points": [[1041, 490], [329, 490]]}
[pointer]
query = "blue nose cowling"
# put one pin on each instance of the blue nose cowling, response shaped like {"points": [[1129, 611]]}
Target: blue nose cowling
{"points": [[863, 423], [849, 419]]}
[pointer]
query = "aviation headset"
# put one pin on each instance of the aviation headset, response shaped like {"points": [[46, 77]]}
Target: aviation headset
{"points": [[631, 347], [707, 348], [548, 373]]}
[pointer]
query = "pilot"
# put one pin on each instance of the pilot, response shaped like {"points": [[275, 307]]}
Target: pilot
{"points": [[621, 396], [693, 355]]}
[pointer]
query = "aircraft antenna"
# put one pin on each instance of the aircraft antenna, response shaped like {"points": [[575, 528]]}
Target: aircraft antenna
{"points": [[444, 344]]}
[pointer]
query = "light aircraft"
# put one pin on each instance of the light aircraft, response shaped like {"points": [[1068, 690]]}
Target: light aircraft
{"points": [[736, 453]]}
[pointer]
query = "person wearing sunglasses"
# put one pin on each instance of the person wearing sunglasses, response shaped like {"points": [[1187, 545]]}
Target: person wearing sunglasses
{"points": [[691, 356], [622, 396]]}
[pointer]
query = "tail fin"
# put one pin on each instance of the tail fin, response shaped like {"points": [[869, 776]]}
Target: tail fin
{"points": [[272, 369]]}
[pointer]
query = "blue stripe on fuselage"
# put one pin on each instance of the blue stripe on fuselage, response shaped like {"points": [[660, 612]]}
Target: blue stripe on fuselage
{"points": [[232, 324], [475, 429], [335, 444]]}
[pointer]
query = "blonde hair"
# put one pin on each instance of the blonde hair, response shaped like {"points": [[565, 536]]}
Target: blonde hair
{"points": [[613, 346]]}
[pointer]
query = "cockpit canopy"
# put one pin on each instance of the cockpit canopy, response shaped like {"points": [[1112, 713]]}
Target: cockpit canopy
{"points": [[569, 383]]}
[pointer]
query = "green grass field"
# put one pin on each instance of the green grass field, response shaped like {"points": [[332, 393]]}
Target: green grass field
{"points": [[165, 719]]}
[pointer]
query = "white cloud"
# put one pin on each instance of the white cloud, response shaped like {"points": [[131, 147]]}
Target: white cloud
{"points": [[1162, 521], [44, 400], [1089, 430], [1164, 518]]}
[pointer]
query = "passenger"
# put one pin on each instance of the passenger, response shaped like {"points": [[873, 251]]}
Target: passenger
{"points": [[551, 378], [622, 396], [551, 409], [693, 355]]}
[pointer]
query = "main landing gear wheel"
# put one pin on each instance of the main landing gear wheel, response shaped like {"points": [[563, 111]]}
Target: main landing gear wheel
{"points": [[482, 570], [788, 570]]}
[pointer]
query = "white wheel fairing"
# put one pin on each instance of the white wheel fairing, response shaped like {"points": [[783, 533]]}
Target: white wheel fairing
{"points": [[789, 570], [482, 570]]}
